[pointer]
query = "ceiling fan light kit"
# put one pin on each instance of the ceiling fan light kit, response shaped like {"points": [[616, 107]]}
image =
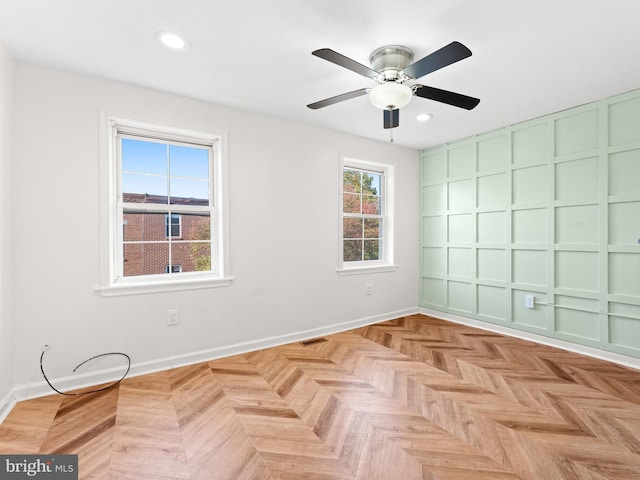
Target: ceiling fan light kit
{"points": [[391, 68], [390, 95]]}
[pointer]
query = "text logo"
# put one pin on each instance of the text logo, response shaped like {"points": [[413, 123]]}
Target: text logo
{"points": [[50, 467]]}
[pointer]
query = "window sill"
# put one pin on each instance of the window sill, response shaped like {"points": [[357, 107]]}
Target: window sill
{"points": [[139, 288], [364, 270]]}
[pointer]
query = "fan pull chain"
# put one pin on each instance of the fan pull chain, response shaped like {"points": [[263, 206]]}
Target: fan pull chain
{"points": [[391, 135]]}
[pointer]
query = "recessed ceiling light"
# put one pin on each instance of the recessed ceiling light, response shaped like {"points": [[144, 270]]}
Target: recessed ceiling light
{"points": [[173, 40], [423, 117]]}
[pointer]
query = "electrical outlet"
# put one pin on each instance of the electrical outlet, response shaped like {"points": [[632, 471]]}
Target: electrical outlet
{"points": [[368, 289], [173, 317], [529, 301]]}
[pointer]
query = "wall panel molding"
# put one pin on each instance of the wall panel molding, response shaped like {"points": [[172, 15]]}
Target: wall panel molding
{"points": [[547, 208]]}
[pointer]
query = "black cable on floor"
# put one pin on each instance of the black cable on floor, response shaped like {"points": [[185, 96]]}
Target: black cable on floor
{"points": [[79, 365]]}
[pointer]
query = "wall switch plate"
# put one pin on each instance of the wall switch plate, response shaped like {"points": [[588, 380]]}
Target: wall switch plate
{"points": [[529, 301], [173, 317]]}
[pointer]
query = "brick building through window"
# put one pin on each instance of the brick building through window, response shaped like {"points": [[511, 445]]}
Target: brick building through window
{"points": [[153, 244]]}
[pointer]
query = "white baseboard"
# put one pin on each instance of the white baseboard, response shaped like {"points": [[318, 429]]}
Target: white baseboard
{"points": [[6, 404], [552, 342], [41, 389]]}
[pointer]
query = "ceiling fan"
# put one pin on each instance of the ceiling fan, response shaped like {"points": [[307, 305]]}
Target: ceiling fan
{"points": [[391, 68]]}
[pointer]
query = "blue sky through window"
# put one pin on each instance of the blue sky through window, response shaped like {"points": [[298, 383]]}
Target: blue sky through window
{"points": [[154, 168]]}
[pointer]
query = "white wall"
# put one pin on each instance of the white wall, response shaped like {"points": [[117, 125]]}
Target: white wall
{"points": [[6, 320], [284, 181]]}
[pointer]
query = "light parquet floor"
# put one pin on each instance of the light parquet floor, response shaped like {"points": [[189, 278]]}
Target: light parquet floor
{"points": [[412, 398]]}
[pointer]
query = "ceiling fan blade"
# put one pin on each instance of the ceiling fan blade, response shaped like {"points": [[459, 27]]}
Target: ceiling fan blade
{"points": [[452, 53], [339, 59], [391, 118], [338, 98], [445, 96]]}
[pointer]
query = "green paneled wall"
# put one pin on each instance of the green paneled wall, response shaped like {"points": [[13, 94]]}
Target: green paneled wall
{"points": [[550, 208]]}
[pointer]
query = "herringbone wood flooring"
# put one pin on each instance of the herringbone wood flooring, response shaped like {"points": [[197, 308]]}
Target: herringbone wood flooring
{"points": [[411, 398]]}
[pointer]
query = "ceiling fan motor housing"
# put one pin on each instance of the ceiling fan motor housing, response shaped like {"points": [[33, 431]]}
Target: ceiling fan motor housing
{"points": [[390, 60]]}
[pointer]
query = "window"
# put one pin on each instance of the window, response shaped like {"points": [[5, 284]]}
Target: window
{"points": [[362, 215], [166, 199], [173, 227], [163, 181], [367, 216]]}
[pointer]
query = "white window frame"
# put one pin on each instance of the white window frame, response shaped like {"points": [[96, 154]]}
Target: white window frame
{"points": [[387, 262], [112, 280]]}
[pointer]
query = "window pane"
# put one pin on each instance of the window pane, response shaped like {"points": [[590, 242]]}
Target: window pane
{"points": [[351, 181], [371, 183], [372, 228], [145, 258], [132, 226], [371, 205], [189, 162], [144, 157], [143, 226], [196, 226], [189, 192], [351, 203], [144, 188], [193, 256], [371, 250], [352, 227], [352, 250]]}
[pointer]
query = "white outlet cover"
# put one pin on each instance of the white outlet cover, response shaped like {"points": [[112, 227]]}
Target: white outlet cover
{"points": [[173, 317], [529, 301]]}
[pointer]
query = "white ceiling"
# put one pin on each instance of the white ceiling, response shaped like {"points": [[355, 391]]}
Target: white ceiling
{"points": [[530, 57]]}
